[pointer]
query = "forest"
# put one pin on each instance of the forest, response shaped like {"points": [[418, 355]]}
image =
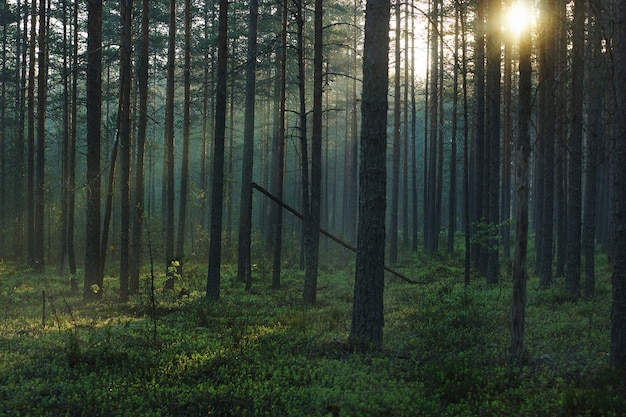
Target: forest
{"points": [[291, 207]]}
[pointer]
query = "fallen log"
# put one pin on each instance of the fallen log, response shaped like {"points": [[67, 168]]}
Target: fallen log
{"points": [[324, 232]]}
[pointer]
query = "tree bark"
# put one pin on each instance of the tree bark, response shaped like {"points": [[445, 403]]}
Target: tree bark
{"points": [[548, 85], [30, 162], [215, 245], [594, 139], [279, 152], [574, 198], [618, 177], [494, 58], [453, 139], [168, 141], [124, 125], [244, 271], [93, 279], [367, 314], [520, 275], [184, 172], [395, 158], [142, 122], [312, 255]]}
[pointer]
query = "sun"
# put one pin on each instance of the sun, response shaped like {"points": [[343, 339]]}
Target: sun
{"points": [[517, 19]]}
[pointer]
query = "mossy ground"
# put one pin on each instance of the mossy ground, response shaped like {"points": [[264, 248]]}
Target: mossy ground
{"points": [[264, 353]]}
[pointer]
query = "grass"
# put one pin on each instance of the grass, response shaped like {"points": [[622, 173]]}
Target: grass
{"points": [[264, 353]]}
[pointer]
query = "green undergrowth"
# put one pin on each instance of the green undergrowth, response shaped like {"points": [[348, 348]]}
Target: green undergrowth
{"points": [[263, 352]]}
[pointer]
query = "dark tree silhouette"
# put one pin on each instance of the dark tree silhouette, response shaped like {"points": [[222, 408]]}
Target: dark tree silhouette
{"points": [[520, 275], [367, 313], [94, 123], [215, 245], [618, 180], [574, 172], [245, 209], [124, 131]]}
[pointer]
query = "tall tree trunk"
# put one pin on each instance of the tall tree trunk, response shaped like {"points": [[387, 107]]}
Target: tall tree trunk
{"points": [[561, 150], [548, 84], [124, 129], [20, 91], [414, 225], [215, 245], [520, 274], [184, 172], [507, 132], [278, 161], [71, 208], [595, 132], [312, 255], [142, 122], [433, 233], [244, 265], [30, 163], [65, 126], [479, 131], [93, 279], [618, 177], [438, 218], [367, 314], [466, 153], [453, 140], [40, 189], [302, 121], [494, 58], [395, 158], [405, 139], [168, 141], [574, 198]]}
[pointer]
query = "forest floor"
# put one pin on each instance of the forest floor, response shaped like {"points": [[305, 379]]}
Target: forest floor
{"points": [[263, 352]]}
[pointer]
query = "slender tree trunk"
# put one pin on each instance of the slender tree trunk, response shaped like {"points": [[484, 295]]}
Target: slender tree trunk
{"points": [[453, 140], [279, 152], [168, 141], [215, 245], [574, 200], [312, 256], [245, 209], [479, 131], [20, 98], [595, 132], [395, 170], [71, 209], [93, 279], [63, 229], [438, 218], [549, 118], [494, 58], [367, 315], [142, 122], [304, 153], [184, 174], [431, 195], [414, 228], [561, 150], [40, 188], [405, 139], [466, 153], [505, 205], [30, 163], [124, 131], [618, 177], [520, 275]]}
